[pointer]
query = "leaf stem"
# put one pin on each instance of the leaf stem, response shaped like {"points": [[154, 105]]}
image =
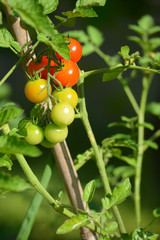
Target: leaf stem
{"points": [[99, 159]]}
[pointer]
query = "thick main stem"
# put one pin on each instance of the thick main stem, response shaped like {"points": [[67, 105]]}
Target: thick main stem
{"points": [[99, 159], [141, 119]]}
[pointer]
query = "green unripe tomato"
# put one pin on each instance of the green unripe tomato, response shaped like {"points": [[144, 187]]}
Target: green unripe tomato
{"points": [[62, 114], [35, 134], [45, 143], [55, 134]]}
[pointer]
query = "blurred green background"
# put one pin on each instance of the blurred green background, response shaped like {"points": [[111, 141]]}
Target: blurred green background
{"points": [[106, 102]]}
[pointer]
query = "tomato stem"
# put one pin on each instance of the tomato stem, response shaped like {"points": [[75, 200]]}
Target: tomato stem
{"points": [[99, 159]]}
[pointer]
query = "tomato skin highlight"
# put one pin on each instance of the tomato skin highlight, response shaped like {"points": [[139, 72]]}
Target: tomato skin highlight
{"points": [[55, 134], [75, 50], [35, 134], [62, 114], [68, 95], [69, 75], [33, 67], [34, 90]]}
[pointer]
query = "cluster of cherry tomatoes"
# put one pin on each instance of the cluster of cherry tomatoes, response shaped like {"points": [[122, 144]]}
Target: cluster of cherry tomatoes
{"points": [[63, 100]]}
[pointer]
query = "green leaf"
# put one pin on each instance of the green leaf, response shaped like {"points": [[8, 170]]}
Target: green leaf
{"points": [[151, 144], [57, 42], [88, 192], [124, 171], [113, 73], [1, 20], [135, 39], [153, 108], [5, 90], [118, 154], [146, 125], [154, 43], [92, 32], [14, 145], [67, 22], [73, 223], [118, 196], [81, 12], [87, 49], [6, 162], [80, 35], [136, 28], [13, 184], [156, 212], [6, 40], [7, 114], [140, 234], [146, 22], [154, 29], [125, 52], [32, 14], [111, 228], [49, 6], [86, 3]]}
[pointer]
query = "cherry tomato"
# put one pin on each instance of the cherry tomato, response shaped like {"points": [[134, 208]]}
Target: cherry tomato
{"points": [[45, 143], [55, 134], [62, 114], [36, 91], [75, 50], [35, 134], [33, 67], [68, 95], [69, 74]]}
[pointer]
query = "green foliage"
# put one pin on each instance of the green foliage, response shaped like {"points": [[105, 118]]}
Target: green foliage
{"points": [[9, 112], [112, 73], [86, 3], [7, 40], [5, 161], [73, 223], [153, 108], [119, 194], [32, 14], [13, 183], [15, 145], [88, 192], [49, 6]]}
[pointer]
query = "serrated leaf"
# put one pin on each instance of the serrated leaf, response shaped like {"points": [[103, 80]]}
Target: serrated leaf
{"points": [[146, 22], [111, 228], [32, 14], [88, 192], [113, 73], [49, 6], [86, 3], [14, 145], [84, 12], [73, 223], [118, 196], [8, 114], [5, 161], [13, 184], [6, 40], [140, 234], [58, 44], [92, 32]]}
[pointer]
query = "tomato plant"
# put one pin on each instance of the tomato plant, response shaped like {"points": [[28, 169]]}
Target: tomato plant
{"points": [[62, 114], [55, 134], [69, 74], [36, 91], [68, 95], [38, 64], [45, 143], [35, 134], [75, 50]]}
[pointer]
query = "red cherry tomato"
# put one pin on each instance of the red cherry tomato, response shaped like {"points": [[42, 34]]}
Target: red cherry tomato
{"points": [[69, 74], [75, 50], [34, 67]]}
